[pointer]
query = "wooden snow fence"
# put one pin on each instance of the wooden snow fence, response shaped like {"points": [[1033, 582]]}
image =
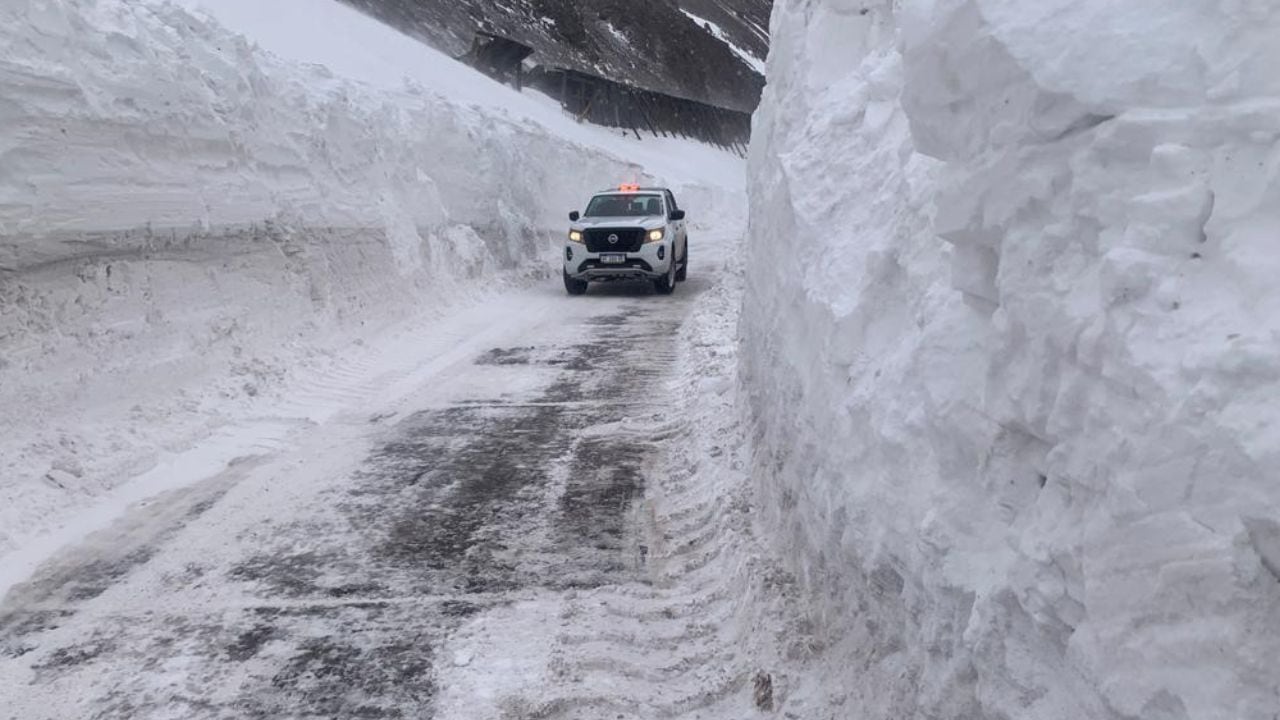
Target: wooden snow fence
{"points": [[610, 103]]}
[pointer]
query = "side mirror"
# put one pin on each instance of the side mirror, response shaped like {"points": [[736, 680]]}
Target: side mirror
{"points": [[677, 214], [573, 216]]}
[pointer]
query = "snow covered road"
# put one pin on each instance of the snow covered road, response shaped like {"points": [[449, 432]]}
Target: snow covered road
{"points": [[324, 577]]}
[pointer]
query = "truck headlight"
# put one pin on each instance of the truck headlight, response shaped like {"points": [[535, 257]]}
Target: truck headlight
{"points": [[575, 236], [654, 235]]}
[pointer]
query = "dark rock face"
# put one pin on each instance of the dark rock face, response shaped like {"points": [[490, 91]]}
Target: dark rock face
{"points": [[653, 44]]}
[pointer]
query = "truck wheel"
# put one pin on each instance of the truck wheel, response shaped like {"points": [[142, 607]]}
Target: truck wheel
{"points": [[683, 272], [574, 287], [666, 284]]}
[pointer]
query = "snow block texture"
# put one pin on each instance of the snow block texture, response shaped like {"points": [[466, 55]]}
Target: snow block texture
{"points": [[186, 220], [1012, 349]]}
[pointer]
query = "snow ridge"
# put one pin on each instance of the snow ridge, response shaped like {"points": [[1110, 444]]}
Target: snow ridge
{"points": [[1011, 354]]}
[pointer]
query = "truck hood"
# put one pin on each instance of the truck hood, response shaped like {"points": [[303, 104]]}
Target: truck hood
{"points": [[648, 222]]}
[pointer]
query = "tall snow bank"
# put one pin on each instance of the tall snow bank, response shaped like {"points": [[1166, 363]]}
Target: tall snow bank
{"points": [[187, 221], [1013, 352]]}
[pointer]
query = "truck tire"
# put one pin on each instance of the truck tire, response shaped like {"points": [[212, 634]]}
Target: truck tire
{"points": [[683, 272], [573, 287], [666, 284]]}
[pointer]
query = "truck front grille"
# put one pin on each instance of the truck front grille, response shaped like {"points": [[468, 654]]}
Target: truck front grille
{"points": [[627, 239]]}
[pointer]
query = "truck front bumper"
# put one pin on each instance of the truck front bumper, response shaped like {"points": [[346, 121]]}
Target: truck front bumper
{"points": [[650, 262]]}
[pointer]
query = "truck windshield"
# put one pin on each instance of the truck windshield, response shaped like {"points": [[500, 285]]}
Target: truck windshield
{"points": [[624, 206]]}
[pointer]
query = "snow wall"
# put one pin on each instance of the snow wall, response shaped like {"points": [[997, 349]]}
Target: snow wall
{"points": [[186, 221], [1012, 352]]}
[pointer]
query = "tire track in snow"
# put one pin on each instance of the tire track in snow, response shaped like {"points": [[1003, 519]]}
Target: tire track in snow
{"points": [[669, 643]]}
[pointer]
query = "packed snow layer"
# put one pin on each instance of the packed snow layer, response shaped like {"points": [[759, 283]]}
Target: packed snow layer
{"points": [[190, 226], [1012, 352]]}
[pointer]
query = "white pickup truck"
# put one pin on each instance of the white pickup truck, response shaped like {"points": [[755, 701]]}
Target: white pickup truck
{"points": [[632, 233]]}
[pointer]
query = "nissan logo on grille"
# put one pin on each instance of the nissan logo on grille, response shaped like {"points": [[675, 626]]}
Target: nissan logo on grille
{"points": [[605, 239]]}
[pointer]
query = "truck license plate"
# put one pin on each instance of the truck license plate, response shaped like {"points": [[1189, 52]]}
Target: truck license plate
{"points": [[613, 259]]}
